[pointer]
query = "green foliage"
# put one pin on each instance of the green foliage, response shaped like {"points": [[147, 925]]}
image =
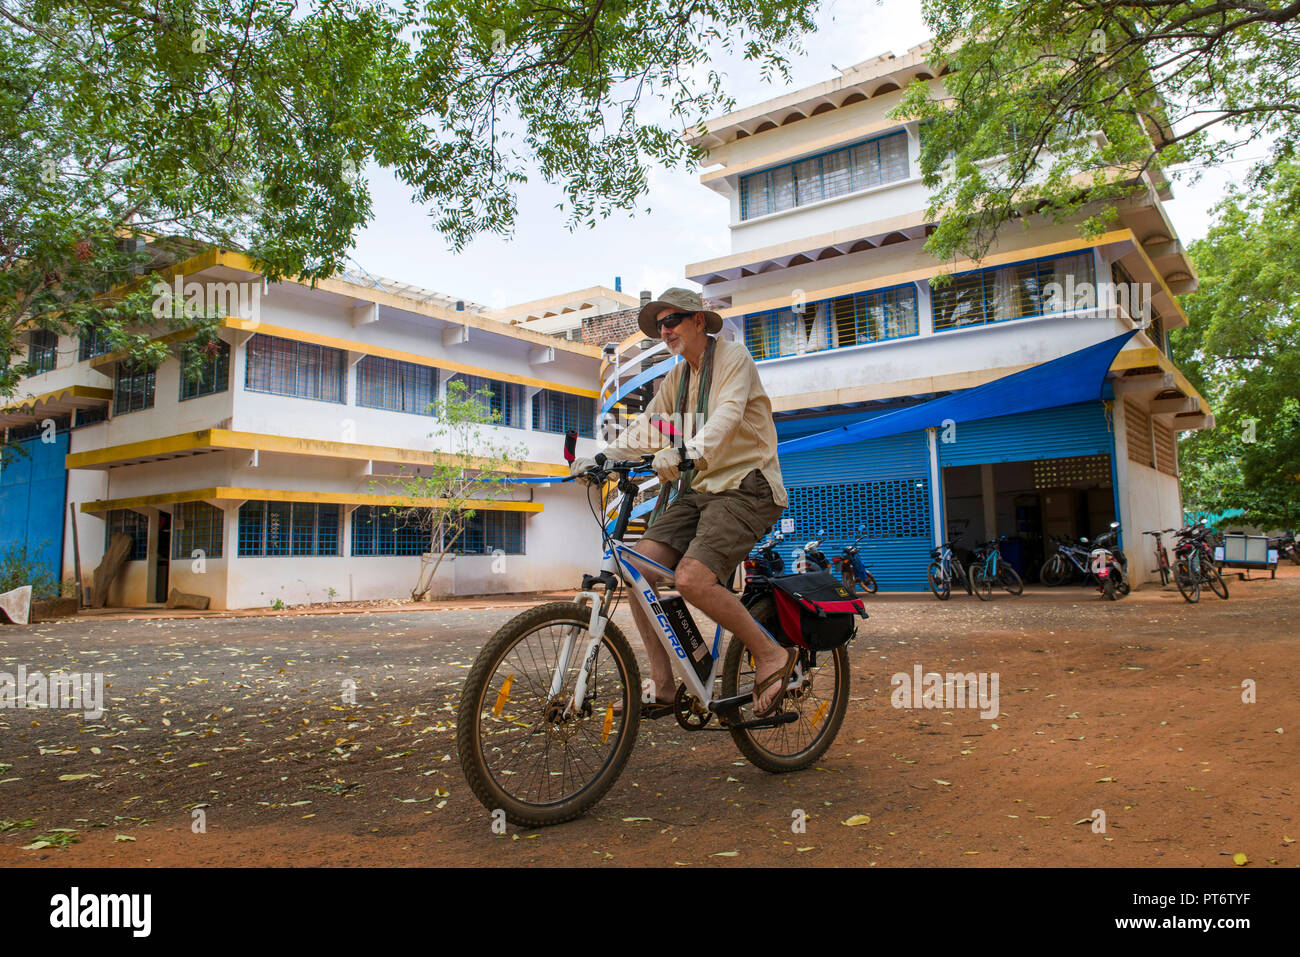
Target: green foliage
{"points": [[1088, 102], [1242, 352], [20, 565], [245, 124]]}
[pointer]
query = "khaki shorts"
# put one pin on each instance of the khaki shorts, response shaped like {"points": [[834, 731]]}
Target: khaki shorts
{"points": [[718, 529]]}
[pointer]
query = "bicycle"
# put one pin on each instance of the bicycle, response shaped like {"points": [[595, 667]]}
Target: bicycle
{"points": [[538, 733], [945, 569], [1064, 562], [1195, 564], [1162, 557], [989, 569]]}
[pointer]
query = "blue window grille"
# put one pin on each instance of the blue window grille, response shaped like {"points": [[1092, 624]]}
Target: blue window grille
{"points": [[205, 370], [383, 530], [395, 385], [133, 389], [502, 400], [1006, 292], [856, 319], [824, 176], [301, 369], [488, 531], [288, 528], [95, 343], [133, 524], [891, 508], [560, 411], [42, 350], [196, 525]]}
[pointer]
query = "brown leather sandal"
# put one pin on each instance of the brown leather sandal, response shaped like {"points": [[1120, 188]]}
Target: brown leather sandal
{"points": [[782, 676]]}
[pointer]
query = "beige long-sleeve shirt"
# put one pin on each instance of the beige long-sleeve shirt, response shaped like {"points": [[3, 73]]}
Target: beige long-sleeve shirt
{"points": [[737, 436]]}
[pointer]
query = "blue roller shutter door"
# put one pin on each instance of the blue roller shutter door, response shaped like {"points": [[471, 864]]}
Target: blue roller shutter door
{"points": [[882, 483], [1062, 432]]}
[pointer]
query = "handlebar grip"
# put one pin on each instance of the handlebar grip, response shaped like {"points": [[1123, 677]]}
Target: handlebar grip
{"points": [[600, 459], [570, 445]]}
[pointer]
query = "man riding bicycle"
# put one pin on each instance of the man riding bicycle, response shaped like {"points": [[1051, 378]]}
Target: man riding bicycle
{"points": [[710, 410]]}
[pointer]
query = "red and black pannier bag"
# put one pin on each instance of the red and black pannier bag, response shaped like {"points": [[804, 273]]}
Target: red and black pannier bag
{"points": [[815, 610]]}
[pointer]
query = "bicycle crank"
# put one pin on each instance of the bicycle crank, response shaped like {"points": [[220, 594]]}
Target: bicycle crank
{"points": [[689, 710]]}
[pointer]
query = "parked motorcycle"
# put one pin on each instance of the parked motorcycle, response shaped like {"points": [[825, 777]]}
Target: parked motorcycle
{"points": [[853, 571], [1108, 564]]}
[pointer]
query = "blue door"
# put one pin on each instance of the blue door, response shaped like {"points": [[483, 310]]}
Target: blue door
{"points": [[33, 488]]}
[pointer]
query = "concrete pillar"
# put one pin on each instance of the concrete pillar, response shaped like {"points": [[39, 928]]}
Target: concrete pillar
{"points": [[988, 493], [936, 488]]}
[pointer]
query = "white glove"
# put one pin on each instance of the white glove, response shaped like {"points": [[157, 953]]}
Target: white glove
{"points": [[578, 466], [667, 463]]}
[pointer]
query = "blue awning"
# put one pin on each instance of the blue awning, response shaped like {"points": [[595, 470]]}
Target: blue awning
{"points": [[1077, 377]]}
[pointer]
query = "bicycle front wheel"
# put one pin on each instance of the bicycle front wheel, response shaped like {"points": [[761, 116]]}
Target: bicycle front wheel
{"points": [[1053, 572], [1010, 580], [980, 583], [820, 702], [1214, 579], [542, 758], [938, 584]]}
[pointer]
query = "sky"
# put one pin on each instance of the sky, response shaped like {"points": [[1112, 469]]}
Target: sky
{"points": [[679, 221]]}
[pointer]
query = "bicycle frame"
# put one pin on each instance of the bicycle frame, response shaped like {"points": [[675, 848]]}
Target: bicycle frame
{"points": [[621, 560]]}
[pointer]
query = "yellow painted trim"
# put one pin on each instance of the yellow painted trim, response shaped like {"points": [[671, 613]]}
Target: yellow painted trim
{"points": [[59, 395], [1148, 356], [298, 335], [1178, 307], [956, 266], [255, 441], [228, 493]]}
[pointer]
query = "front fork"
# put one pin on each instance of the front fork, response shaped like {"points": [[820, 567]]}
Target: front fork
{"points": [[595, 628]]}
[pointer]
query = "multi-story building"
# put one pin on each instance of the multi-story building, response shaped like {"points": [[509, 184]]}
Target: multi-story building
{"points": [[828, 284], [271, 467]]}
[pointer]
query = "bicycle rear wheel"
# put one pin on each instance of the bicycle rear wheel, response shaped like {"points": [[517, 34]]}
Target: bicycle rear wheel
{"points": [[820, 701], [1189, 585], [938, 584], [1053, 572], [542, 759]]}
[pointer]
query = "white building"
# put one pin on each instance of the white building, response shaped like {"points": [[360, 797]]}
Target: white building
{"points": [[270, 476], [828, 284]]}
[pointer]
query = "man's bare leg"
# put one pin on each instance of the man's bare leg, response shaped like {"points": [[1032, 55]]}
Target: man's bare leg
{"points": [[699, 586], [661, 669]]}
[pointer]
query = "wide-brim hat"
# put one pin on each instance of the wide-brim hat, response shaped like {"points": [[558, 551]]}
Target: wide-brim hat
{"points": [[682, 300]]}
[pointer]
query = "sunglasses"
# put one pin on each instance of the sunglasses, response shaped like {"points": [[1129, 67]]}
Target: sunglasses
{"points": [[672, 321]]}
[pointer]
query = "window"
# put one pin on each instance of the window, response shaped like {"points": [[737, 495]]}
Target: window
{"points": [[196, 525], [1008, 292], [205, 370], [94, 344], [561, 411], [395, 385], [825, 176], [288, 528], [302, 369], [134, 524], [505, 401], [383, 530], [845, 321], [42, 350], [133, 389], [874, 316], [487, 532]]}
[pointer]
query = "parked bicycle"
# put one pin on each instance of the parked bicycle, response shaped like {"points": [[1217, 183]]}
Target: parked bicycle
{"points": [[946, 569], [1068, 561], [1162, 556], [989, 569], [853, 571], [551, 707], [1194, 564]]}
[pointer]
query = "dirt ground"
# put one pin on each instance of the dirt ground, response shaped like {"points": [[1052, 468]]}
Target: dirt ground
{"points": [[1134, 708]]}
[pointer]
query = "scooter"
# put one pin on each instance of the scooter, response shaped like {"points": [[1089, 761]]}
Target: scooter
{"points": [[1108, 565], [853, 571]]}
